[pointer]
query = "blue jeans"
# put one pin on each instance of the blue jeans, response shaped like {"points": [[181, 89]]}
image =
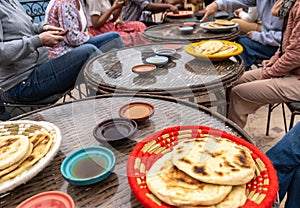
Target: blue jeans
{"points": [[254, 51], [60, 74], [107, 41], [53, 76], [285, 156]]}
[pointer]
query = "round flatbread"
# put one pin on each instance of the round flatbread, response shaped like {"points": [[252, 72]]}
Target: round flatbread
{"points": [[174, 187], [224, 22], [236, 198], [212, 160], [226, 49], [209, 47], [12, 149], [14, 166], [38, 152]]}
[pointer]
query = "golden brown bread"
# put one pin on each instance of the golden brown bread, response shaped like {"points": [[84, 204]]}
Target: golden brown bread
{"points": [[214, 160]]}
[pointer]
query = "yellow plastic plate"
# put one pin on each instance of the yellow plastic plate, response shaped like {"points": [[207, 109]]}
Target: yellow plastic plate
{"points": [[190, 49]]}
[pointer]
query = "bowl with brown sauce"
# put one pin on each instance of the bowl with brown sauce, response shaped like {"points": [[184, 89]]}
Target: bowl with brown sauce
{"points": [[88, 165]]}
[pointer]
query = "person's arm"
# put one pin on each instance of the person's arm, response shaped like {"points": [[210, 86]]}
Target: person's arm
{"points": [[15, 50], [99, 18], [250, 16], [290, 58], [270, 37], [160, 7], [224, 5], [39, 28], [69, 20]]}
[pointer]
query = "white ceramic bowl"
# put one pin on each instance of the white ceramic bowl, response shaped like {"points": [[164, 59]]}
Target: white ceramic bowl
{"points": [[186, 29]]}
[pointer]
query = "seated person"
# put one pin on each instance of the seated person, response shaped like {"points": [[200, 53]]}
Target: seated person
{"points": [[257, 46], [248, 21], [71, 16], [104, 17], [142, 10], [278, 80], [285, 156], [26, 71]]}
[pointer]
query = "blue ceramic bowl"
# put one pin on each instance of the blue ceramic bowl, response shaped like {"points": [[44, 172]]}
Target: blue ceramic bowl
{"points": [[88, 165], [157, 60]]}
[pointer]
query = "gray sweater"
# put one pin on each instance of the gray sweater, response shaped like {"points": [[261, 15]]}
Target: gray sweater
{"points": [[20, 47]]}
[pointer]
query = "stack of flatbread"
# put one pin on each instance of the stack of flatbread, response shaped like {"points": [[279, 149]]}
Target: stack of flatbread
{"points": [[220, 23], [215, 47], [202, 172], [18, 153]]}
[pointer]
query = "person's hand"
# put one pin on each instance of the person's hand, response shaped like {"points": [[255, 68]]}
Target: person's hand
{"points": [[210, 10], [119, 22], [173, 9], [238, 11], [118, 4], [52, 28], [267, 63], [249, 34], [51, 38]]}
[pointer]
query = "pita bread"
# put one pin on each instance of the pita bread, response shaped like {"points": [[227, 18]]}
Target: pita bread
{"points": [[14, 166], [12, 149], [212, 160], [174, 187], [209, 47], [38, 152], [224, 22], [236, 198], [227, 49]]}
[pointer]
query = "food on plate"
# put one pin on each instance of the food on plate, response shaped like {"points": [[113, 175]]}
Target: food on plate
{"points": [[212, 160], [227, 49], [219, 23], [236, 198], [175, 187], [15, 165], [224, 22], [209, 47], [12, 149], [38, 146], [180, 13], [215, 48]]}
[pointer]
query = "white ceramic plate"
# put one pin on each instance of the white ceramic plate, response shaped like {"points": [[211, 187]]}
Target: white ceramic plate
{"points": [[218, 29], [43, 162]]}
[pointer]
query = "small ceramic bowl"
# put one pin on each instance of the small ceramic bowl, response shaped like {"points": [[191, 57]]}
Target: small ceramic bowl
{"points": [[45, 199], [165, 51], [157, 60], [186, 29], [88, 165], [137, 111], [187, 24], [143, 69], [115, 129]]}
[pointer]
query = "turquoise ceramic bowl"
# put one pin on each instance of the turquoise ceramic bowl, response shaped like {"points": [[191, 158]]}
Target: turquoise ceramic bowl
{"points": [[88, 165]]}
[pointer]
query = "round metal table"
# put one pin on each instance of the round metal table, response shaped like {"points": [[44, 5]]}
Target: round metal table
{"points": [[184, 76], [171, 32], [77, 120]]}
